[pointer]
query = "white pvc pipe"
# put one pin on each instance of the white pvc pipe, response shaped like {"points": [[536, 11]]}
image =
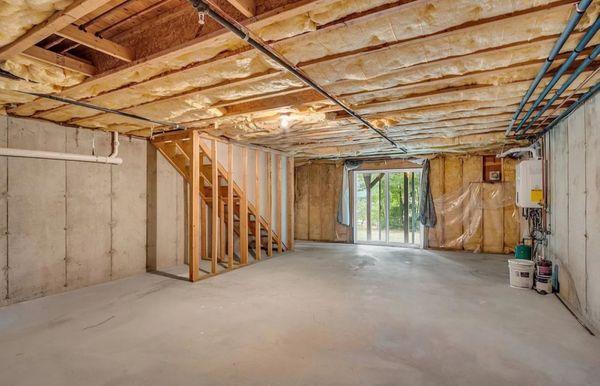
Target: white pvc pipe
{"points": [[112, 159], [534, 152]]}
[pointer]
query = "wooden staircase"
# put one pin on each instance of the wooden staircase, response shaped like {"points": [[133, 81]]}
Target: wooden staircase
{"points": [[231, 214]]}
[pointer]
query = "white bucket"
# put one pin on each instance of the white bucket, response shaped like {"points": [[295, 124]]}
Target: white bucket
{"points": [[521, 273]]}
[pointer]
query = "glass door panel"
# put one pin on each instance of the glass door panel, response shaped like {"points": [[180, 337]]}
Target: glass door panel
{"points": [[370, 207], [386, 207]]}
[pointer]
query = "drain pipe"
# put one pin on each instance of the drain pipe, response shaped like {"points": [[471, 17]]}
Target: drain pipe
{"points": [[240, 31], [111, 159], [591, 32], [580, 9], [562, 88]]}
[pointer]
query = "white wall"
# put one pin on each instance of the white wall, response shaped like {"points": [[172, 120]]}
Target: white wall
{"points": [[65, 225], [574, 194]]}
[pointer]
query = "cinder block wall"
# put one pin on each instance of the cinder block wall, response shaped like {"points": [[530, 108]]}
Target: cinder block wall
{"points": [[66, 225]]}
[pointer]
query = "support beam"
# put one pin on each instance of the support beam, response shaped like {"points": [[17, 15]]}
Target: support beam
{"points": [[193, 208], [278, 211], [244, 208], [203, 226], [290, 203], [222, 231], [246, 7], [269, 204], [214, 207], [106, 46], [257, 243], [230, 206], [62, 61], [56, 22]]}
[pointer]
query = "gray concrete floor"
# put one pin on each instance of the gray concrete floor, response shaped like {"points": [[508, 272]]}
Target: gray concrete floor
{"points": [[324, 315]]}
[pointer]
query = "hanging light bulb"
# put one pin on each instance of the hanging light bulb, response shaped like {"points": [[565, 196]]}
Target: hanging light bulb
{"points": [[284, 121]]}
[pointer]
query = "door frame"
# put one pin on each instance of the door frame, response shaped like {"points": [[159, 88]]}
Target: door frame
{"points": [[355, 175]]}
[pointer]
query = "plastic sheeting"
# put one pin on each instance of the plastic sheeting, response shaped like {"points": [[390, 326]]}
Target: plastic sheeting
{"points": [[472, 218]]}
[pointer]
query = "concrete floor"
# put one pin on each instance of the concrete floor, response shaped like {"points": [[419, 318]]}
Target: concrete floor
{"points": [[325, 314]]}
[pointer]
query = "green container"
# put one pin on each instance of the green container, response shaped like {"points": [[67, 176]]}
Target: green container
{"points": [[523, 252]]}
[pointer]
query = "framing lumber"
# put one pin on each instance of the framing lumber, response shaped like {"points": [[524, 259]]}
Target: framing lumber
{"points": [[269, 204], [257, 238], [246, 7], [278, 161], [244, 209], [106, 46], [193, 208], [203, 224], [222, 231], [290, 203], [58, 60], [214, 208], [230, 206], [57, 21], [281, 13]]}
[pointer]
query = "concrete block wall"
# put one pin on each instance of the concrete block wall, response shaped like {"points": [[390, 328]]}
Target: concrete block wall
{"points": [[573, 149], [65, 225]]}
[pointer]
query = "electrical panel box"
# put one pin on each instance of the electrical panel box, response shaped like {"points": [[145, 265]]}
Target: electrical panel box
{"points": [[529, 184]]}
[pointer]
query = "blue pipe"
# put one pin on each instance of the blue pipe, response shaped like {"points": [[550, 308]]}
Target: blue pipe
{"points": [[565, 85], [581, 7], [591, 32], [582, 99]]}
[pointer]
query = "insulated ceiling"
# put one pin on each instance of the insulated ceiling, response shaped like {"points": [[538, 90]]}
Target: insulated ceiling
{"points": [[436, 76]]}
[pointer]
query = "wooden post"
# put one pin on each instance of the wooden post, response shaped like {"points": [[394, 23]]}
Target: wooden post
{"points": [[193, 208], [269, 205], [290, 202], [203, 226], [230, 205], [222, 230], [214, 207], [244, 209], [278, 205], [257, 243]]}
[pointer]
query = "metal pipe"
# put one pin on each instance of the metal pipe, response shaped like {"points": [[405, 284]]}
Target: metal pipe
{"points": [[565, 85], [243, 33], [112, 159], [582, 99], [591, 32], [580, 9]]}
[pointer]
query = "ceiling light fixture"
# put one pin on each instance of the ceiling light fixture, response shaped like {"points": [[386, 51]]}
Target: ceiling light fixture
{"points": [[284, 121]]}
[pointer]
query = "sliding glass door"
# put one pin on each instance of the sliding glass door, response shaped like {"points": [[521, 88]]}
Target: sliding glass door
{"points": [[386, 207]]}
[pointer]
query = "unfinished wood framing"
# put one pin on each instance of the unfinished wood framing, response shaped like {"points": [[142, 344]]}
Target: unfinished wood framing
{"points": [[214, 207], [230, 206], [270, 204], [257, 231], [102, 45], [244, 209], [193, 208], [278, 161], [217, 188]]}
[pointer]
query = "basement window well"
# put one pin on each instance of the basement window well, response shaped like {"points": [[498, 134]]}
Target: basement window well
{"points": [[386, 207]]}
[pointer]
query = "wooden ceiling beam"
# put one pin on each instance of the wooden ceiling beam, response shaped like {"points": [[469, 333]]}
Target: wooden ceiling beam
{"points": [[57, 21], [59, 60], [246, 7], [106, 46]]}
